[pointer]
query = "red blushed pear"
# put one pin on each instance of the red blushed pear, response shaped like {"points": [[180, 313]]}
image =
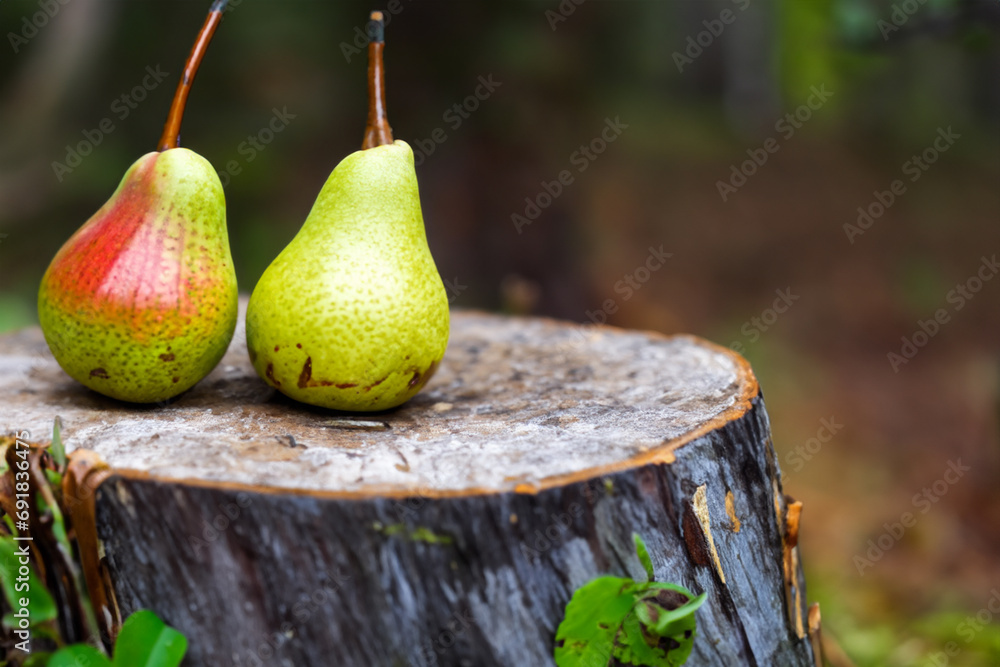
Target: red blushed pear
{"points": [[141, 302]]}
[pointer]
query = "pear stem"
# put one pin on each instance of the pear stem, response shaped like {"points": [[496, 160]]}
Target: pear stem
{"points": [[377, 132], [171, 137]]}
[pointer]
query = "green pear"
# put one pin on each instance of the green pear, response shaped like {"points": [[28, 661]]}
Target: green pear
{"points": [[352, 314], [141, 302]]}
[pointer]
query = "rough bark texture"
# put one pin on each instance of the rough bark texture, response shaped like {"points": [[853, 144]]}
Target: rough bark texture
{"points": [[451, 531]]}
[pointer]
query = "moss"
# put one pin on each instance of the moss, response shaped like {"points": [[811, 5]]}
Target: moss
{"points": [[421, 534], [418, 534]]}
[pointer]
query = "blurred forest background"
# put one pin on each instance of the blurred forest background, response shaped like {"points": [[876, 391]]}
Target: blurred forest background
{"points": [[765, 265]]}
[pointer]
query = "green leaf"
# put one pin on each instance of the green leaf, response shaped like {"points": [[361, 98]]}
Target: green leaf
{"points": [[78, 655], [58, 523], [41, 607], [54, 478], [57, 449], [663, 621], [613, 620], [37, 660], [640, 549], [611, 617], [634, 647], [593, 618], [146, 641]]}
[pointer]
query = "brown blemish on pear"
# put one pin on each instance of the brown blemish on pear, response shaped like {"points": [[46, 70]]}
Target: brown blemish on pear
{"points": [[306, 379], [376, 383], [270, 375], [419, 378]]}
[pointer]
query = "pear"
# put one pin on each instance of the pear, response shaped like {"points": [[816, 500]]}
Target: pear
{"points": [[141, 302], [353, 315]]}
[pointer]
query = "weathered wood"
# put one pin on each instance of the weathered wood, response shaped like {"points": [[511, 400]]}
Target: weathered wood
{"points": [[451, 531]]}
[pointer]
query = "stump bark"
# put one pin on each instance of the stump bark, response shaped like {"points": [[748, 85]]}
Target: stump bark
{"points": [[450, 531]]}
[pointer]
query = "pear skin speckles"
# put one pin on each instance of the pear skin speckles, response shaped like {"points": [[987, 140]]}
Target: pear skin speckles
{"points": [[353, 315], [131, 306]]}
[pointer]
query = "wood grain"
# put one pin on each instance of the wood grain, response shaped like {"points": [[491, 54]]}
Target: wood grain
{"points": [[453, 530]]}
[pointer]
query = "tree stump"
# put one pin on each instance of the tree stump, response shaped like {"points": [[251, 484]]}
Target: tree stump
{"points": [[450, 531]]}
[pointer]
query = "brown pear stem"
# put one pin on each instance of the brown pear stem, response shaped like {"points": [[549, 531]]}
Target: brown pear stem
{"points": [[171, 137], [377, 132]]}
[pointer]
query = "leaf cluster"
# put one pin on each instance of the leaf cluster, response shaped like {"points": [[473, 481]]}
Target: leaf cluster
{"points": [[63, 627], [614, 621]]}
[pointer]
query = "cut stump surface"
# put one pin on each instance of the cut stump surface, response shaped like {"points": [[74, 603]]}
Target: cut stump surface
{"points": [[452, 530]]}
